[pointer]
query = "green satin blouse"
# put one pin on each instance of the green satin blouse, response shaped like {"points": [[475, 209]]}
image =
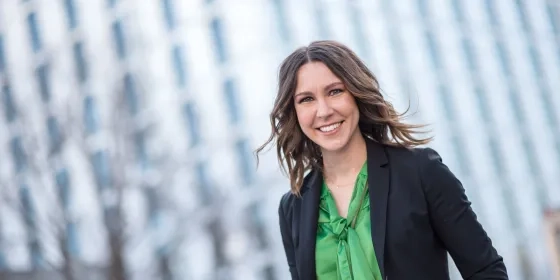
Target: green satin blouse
{"points": [[343, 252]]}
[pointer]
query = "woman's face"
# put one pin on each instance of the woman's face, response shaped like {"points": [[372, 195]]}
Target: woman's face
{"points": [[327, 113]]}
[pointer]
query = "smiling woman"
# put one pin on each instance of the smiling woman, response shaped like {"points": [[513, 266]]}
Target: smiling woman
{"points": [[373, 205], [307, 77]]}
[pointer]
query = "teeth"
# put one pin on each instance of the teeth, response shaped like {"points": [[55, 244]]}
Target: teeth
{"points": [[330, 127]]}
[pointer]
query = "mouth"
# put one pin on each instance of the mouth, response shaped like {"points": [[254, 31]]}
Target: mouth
{"points": [[331, 128]]}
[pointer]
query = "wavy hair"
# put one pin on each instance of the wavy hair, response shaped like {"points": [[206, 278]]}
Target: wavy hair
{"points": [[378, 120]]}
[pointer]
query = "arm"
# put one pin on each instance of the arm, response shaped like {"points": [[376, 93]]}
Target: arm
{"points": [[285, 230], [456, 224]]}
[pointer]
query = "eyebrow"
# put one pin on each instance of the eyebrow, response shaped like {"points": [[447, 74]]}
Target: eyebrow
{"points": [[329, 86]]}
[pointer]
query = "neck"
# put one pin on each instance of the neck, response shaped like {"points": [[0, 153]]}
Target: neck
{"points": [[343, 165]]}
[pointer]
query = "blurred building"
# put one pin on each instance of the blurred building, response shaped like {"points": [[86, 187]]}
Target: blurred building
{"points": [[128, 126]]}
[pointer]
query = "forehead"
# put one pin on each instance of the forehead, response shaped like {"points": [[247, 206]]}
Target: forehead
{"points": [[314, 74]]}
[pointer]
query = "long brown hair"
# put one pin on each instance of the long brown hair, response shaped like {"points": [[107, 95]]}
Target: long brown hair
{"points": [[378, 119]]}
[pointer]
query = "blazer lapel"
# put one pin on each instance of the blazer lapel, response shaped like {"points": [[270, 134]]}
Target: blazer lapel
{"points": [[308, 227], [378, 179]]}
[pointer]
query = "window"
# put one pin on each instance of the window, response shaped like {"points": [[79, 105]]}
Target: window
{"points": [[256, 225], [553, 18], [557, 146], [130, 94], [192, 121], [459, 148], [118, 37], [503, 58], [483, 106], [63, 183], [269, 272], [446, 99], [2, 56], [79, 61], [101, 170], [532, 161], [70, 13], [153, 204], [549, 107], [496, 155], [470, 56], [72, 239], [231, 101], [90, 115], [42, 74], [113, 218], [34, 32], [27, 206], [357, 23], [424, 9], [204, 183], [491, 12], [36, 255], [29, 219], [535, 171], [168, 14], [321, 22], [535, 61], [517, 107], [55, 137], [218, 35], [18, 154], [140, 148], [522, 15], [433, 50], [458, 10], [179, 66], [218, 237], [281, 20], [243, 153], [9, 105]]}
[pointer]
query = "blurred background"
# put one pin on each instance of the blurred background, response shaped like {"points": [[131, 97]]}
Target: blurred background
{"points": [[127, 127]]}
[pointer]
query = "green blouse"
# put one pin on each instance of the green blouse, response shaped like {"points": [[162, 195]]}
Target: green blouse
{"points": [[343, 252]]}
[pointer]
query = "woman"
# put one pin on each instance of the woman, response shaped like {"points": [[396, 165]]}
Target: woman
{"points": [[372, 205]]}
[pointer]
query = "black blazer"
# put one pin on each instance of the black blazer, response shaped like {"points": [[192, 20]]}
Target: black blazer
{"points": [[419, 212]]}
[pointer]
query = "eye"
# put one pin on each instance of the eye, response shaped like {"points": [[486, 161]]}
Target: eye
{"points": [[305, 99], [336, 91]]}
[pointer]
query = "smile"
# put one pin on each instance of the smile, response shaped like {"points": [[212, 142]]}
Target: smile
{"points": [[330, 128]]}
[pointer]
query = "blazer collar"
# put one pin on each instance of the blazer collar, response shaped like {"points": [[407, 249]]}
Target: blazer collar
{"points": [[308, 226], [378, 180]]}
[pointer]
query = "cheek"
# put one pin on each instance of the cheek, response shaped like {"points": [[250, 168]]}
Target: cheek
{"points": [[352, 109], [304, 117], [357, 113]]}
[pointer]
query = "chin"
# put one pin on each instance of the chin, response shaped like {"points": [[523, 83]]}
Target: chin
{"points": [[333, 146]]}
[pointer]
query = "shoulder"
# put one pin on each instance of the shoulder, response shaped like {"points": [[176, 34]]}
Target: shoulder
{"points": [[433, 174], [289, 199], [422, 165], [287, 202], [419, 158], [286, 206]]}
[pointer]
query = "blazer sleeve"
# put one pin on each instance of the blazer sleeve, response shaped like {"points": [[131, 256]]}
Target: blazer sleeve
{"points": [[285, 230], [456, 224]]}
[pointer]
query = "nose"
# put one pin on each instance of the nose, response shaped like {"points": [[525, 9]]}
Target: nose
{"points": [[324, 109]]}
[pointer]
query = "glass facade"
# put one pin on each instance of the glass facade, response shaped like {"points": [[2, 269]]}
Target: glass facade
{"points": [[196, 81]]}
